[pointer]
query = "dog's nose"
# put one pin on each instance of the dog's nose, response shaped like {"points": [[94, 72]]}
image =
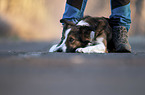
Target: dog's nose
{"points": [[59, 50]]}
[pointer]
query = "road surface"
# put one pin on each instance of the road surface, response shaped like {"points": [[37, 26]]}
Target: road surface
{"points": [[26, 68]]}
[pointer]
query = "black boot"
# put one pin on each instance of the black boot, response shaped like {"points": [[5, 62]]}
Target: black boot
{"points": [[120, 39]]}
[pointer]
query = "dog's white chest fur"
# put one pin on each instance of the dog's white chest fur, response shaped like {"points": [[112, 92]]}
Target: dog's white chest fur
{"points": [[92, 35]]}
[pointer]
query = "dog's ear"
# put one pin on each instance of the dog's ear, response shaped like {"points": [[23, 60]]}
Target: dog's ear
{"points": [[66, 22], [85, 33]]}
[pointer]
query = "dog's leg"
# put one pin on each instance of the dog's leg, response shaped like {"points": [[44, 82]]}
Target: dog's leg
{"points": [[100, 47]]}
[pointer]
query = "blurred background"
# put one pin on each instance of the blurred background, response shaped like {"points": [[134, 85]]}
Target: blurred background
{"points": [[26, 68], [38, 20]]}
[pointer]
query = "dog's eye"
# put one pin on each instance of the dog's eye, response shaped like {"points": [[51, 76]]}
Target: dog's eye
{"points": [[71, 40]]}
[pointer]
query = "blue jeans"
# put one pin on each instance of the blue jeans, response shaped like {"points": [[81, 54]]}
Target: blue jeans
{"points": [[120, 11]]}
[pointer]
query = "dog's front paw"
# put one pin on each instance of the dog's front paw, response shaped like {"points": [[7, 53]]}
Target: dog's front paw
{"points": [[79, 50], [83, 50], [91, 49]]}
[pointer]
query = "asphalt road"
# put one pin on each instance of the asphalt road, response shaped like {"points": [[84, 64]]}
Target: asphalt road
{"points": [[26, 68]]}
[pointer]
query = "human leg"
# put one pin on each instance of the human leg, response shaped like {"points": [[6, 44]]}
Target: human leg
{"points": [[120, 13], [120, 20], [74, 9]]}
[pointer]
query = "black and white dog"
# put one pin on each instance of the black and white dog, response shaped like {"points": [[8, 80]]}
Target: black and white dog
{"points": [[89, 35]]}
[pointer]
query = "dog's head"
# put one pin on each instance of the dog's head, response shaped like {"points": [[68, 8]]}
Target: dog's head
{"points": [[78, 35], [74, 36]]}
